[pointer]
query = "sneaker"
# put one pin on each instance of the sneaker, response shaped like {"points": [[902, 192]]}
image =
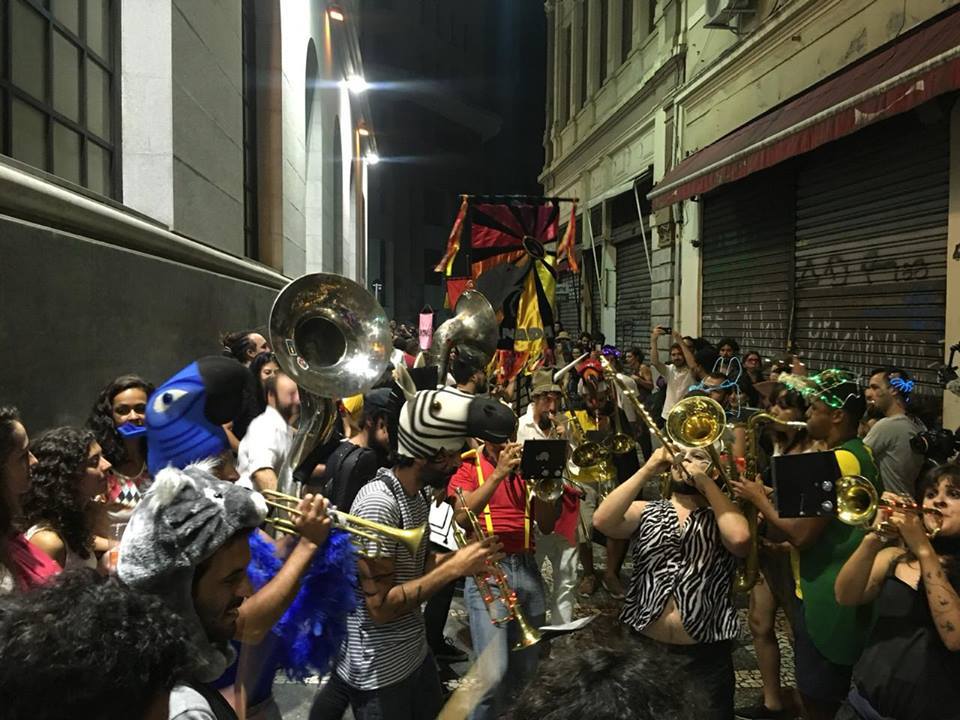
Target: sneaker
{"points": [[448, 652], [761, 712]]}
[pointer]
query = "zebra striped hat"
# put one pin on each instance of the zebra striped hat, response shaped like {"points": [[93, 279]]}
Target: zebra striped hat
{"points": [[443, 419]]}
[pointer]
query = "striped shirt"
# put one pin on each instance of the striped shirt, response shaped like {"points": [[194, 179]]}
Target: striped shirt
{"points": [[375, 656], [690, 564]]}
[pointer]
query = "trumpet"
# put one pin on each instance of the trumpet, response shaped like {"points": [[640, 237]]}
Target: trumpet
{"points": [[858, 502], [361, 528], [529, 635]]}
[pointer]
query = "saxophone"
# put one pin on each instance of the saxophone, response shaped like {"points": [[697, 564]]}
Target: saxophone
{"points": [[748, 570]]}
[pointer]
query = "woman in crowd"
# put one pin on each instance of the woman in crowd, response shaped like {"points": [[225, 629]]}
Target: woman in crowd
{"points": [[244, 346], [776, 587], [22, 564], [117, 421], [263, 366], [65, 498], [911, 662], [753, 366]]}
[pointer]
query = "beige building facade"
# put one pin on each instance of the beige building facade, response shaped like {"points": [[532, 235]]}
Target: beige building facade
{"points": [[802, 197]]}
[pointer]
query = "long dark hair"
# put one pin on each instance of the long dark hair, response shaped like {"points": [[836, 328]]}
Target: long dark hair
{"points": [[101, 417], [52, 499], [237, 344], [9, 417], [795, 400], [948, 548], [256, 365]]}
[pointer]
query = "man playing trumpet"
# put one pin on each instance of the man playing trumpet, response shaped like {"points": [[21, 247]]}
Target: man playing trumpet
{"points": [[499, 497], [385, 667]]}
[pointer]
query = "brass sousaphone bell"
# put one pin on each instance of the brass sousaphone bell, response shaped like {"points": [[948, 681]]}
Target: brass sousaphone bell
{"points": [[474, 326], [333, 339]]}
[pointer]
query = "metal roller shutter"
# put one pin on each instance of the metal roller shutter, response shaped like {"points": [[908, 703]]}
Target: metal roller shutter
{"points": [[747, 262], [568, 302], [871, 249], [633, 295]]}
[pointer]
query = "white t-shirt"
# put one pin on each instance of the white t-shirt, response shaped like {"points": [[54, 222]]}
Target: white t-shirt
{"points": [[266, 445], [629, 384], [528, 428], [678, 382]]}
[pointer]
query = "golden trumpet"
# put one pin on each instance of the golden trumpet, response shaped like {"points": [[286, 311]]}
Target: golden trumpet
{"points": [[529, 635], [357, 526], [858, 502]]}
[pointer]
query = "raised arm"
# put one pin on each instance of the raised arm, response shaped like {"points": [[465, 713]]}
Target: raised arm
{"points": [[941, 595], [688, 355], [618, 516], [861, 577], [655, 350]]}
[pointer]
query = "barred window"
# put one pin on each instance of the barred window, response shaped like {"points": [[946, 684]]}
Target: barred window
{"points": [[58, 88]]}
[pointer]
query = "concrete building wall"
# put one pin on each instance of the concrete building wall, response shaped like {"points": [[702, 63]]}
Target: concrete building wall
{"points": [[208, 122], [618, 133], [316, 48], [109, 311]]}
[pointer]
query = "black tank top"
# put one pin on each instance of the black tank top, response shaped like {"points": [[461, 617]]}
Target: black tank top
{"points": [[905, 670]]}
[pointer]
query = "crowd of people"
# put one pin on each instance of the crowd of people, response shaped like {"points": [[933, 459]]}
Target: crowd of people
{"points": [[147, 572]]}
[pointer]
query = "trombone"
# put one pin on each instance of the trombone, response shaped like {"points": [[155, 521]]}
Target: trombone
{"points": [[361, 528], [858, 502], [529, 635], [585, 453]]}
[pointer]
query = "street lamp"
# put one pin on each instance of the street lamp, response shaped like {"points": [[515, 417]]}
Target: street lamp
{"points": [[356, 84], [371, 158], [336, 13]]}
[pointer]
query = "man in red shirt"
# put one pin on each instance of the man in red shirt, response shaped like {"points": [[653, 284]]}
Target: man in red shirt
{"points": [[498, 495]]}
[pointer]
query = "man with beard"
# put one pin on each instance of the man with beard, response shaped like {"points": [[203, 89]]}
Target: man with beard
{"points": [[356, 460], [540, 422], [888, 398], [684, 556], [262, 457], [385, 667]]}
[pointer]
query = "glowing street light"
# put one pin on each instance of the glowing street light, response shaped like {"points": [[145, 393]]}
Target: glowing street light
{"points": [[362, 131], [371, 158], [356, 84], [335, 13]]}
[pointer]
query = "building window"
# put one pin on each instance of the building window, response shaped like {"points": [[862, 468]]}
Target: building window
{"points": [[604, 32], [584, 48], [651, 16], [58, 89], [626, 37], [251, 220]]}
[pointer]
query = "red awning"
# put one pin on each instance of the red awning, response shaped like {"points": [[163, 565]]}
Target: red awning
{"points": [[908, 72]]}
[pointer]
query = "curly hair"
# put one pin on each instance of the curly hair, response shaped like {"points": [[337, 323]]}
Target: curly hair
{"points": [[101, 417], [52, 498], [104, 650], [602, 674], [9, 417]]}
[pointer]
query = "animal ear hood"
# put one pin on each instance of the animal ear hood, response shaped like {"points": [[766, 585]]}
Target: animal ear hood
{"points": [[182, 520]]}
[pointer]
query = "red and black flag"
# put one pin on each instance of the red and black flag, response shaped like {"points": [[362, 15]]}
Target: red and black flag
{"points": [[513, 253]]}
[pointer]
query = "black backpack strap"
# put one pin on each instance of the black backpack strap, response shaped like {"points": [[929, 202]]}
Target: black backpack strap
{"points": [[218, 704]]}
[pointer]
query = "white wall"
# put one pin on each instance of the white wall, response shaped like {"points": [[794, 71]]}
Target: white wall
{"points": [[146, 107], [307, 168]]}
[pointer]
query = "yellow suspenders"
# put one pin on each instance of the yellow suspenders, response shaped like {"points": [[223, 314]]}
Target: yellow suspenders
{"points": [[488, 519]]}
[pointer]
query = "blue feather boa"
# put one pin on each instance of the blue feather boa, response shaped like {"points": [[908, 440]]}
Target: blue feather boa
{"points": [[311, 630]]}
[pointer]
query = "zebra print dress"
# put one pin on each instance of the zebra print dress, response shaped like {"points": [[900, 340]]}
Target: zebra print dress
{"points": [[689, 563]]}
